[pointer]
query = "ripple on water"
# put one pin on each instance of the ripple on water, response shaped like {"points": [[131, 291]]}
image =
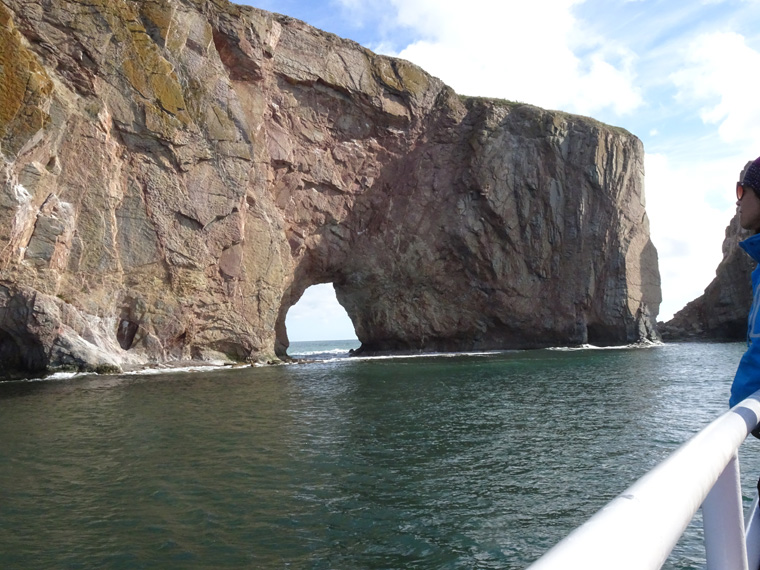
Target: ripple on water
{"points": [[481, 461]]}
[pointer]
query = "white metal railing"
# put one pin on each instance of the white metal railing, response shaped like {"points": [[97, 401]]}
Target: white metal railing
{"points": [[638, 529]]}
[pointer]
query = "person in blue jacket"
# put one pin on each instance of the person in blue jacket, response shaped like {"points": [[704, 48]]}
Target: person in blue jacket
{"points": [[747, 379]]}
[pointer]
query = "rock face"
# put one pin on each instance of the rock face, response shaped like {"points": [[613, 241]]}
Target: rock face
{"points": [[721, 312], [175, 173]]}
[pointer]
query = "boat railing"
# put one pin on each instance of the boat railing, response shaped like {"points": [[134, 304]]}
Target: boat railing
{"points": [[641, 526]]}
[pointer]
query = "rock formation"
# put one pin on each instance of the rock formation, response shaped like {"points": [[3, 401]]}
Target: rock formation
{"points": [[175, 173], [721, 312]]}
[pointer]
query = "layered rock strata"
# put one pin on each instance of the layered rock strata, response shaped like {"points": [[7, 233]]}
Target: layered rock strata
{"points": [[175, 173], [721, 312]]}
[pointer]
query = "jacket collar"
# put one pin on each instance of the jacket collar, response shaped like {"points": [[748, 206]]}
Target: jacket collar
{"points": [[752, 246]]}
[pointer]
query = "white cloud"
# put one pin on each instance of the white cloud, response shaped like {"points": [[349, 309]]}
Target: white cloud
{"points": [[524, 51], [719, 75], [687, 225], [605, 86], [690, 195]]}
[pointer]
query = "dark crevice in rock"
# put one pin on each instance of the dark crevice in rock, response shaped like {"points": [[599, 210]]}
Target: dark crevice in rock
{"points": [[25, 355], [126, 333], [600, 334], [188, 222]]}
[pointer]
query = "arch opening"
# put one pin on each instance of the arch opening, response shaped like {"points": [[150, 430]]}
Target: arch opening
{"points": [[318, 316]]}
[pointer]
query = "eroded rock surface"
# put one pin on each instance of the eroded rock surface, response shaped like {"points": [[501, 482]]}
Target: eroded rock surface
{"points": [[176, 173], [721, 312]]}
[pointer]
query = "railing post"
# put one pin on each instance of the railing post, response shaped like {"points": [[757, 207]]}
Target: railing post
{"points": [[724, 522], [752, 534]]}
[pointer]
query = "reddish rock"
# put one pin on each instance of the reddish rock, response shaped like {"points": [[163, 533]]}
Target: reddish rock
{"points": [[176, 174]]}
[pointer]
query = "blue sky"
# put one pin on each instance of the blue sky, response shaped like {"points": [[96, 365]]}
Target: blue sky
{"points": [[682, 75]]}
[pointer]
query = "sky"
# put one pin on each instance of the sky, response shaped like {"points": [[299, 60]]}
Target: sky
{"points": [[682, 75]]}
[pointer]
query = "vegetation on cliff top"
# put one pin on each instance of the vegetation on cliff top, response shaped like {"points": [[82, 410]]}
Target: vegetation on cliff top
{"points": [[470, 100]]}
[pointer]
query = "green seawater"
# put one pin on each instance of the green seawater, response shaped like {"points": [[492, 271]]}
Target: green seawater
{"points": [[455, 461]]}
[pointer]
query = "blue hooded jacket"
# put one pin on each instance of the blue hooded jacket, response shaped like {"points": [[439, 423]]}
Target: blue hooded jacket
{"points": [[747, 379]]}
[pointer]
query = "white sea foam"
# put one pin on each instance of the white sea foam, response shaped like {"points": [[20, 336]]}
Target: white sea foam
{"points": [[330, 356], [347, 358], [644, 344], [313, 352], [153, 371], [56, 376], [59, 376], [406, 356], [212, 365]]}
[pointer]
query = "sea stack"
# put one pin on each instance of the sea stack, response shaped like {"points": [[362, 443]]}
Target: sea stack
{"points": [[175, 173], [721, 312]]}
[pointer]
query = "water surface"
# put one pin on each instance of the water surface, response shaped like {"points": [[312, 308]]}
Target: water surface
{"points": [[480, 461]]}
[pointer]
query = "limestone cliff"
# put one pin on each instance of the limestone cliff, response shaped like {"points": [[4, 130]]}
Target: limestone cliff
{"points": [[721, 312], [175, 173]]}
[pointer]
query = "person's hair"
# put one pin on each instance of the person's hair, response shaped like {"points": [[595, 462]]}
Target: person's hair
{"points": [[750, 176]]}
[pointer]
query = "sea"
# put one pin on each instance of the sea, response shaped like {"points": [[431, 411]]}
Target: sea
{"points": [[446, 461]]}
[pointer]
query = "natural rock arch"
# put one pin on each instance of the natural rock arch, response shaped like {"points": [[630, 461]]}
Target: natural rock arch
{"points": [[444, 253], [175, 209]]}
